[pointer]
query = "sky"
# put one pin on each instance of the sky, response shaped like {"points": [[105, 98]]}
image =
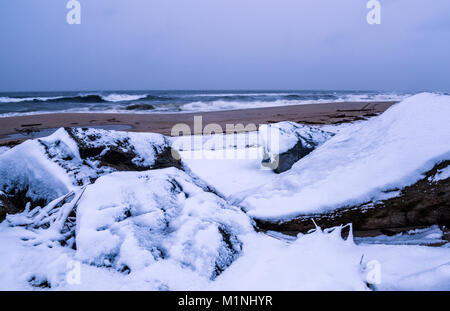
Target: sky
{"points": [[224, 45]]}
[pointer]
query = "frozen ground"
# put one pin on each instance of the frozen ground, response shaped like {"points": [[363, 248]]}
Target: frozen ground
{"points": [[165, 229]]}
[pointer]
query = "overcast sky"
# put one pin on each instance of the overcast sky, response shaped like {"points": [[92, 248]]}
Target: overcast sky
{"points": [[224, 44]]}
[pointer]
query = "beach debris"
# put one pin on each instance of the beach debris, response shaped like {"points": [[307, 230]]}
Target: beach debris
{"points": [[27, 131], [31, 125], [53, 223]]}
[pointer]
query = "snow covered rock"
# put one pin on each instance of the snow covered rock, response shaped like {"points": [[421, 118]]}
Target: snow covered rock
{"points": [[44, 169], [366, 163], [130, 220], [124, 151], [425, 203], [285, 143]]}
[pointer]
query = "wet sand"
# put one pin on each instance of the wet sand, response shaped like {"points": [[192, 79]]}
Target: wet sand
{"points": [[24, 127]]}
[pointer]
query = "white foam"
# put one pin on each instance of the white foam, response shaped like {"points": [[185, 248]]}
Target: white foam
{"points": [[27, 99], [122, 97]]}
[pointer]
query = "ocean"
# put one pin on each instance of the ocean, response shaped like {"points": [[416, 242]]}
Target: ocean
{"points": [[14, 104]]}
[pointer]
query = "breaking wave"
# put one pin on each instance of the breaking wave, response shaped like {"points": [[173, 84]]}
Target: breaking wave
{"points": [[12, 104], [85, 98]]}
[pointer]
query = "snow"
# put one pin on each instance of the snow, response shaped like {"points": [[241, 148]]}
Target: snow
{"points": [[312, 262], [232, 162], [283, 136], [169, 229], [231, 170], [319, 260], [441, 174], [52, 223], [131, 220], [428, 236], [145, 146], [26, 167], [50, 167], [324, 261], [357, 165], [3, 149]]}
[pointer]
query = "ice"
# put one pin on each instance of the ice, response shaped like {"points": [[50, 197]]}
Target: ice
{"points": [[427, 236], [385, 153]]}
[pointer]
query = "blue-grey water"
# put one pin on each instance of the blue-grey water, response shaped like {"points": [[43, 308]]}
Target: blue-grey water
{"points": [[173, 101]]}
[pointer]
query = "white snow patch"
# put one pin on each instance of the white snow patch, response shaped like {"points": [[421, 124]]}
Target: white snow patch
{"points": [[3, 149], [441, 174], [231, 170]]}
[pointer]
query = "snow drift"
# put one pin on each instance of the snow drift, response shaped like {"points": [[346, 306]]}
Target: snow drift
{"points": [[361, 164]]}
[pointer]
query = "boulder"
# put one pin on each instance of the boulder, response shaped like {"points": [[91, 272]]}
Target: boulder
{"points": [[41, 170], [285, 143], [423, 204], [364, 162], [6, 206], [131, 220]]}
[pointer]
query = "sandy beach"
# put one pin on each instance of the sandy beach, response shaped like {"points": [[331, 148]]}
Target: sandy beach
{"points": [[24, 127]]}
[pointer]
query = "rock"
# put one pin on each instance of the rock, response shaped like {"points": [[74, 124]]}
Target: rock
{"points": [[6, 206], [41, 170], [132, 220], [124, 151], [140, 107], [420, 205], [285, 143]]}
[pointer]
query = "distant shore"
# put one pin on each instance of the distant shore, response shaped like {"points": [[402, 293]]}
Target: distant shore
{"points": [[24, 127]]}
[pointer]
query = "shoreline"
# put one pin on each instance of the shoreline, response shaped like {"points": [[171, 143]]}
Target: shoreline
{"points": [[13, 128]]}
